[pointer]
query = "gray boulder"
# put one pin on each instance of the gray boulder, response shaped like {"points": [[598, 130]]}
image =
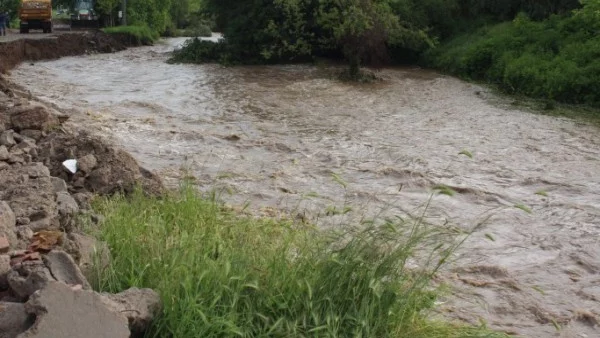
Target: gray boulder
{"points": [[139, 305], [62, 311]]}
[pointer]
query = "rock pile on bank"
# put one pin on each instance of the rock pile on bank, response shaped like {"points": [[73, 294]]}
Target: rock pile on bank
{"points": [[45, 261]]}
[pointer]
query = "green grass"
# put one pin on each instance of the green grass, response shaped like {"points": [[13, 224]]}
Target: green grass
{"points": [[223, 275], [144, 34]]}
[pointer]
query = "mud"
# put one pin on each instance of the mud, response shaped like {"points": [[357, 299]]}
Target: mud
{"points": [[272, 137]]}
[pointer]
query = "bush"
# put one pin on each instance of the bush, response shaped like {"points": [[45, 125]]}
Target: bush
{"points": [[223, 275], [553, 59], [143, 34], [200, 51]]}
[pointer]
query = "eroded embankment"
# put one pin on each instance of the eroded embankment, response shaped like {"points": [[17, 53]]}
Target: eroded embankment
{"points": [[45, 259], [14, 52]]}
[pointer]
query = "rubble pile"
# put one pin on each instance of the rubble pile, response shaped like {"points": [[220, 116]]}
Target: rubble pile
{"points": [[45, 260]]}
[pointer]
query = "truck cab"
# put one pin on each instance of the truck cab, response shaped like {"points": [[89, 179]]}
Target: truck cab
{"points": [[36, 14]]}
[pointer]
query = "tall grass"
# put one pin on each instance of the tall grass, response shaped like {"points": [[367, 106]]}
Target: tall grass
{"points": [[223, 275]]}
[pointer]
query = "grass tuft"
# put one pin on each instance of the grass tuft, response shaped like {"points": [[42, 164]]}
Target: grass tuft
{"points": [[223, 275], [444, 190], [143, 34], [523, 207]]}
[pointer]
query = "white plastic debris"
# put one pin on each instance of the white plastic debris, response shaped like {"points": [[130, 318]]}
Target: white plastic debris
{"points": [[71, 165]]}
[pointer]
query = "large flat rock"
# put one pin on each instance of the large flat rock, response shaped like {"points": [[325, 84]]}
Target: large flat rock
{"points": [[64, 312]]}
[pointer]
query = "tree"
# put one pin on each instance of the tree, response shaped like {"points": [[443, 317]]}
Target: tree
{"points": [[364, 29], [153, 13], [108, 7], [10, 6]]}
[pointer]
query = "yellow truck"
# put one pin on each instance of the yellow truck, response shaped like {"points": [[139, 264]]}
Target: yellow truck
{"points": [[36, 14]]}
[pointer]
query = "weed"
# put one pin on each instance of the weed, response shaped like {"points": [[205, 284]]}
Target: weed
{"points": [[523, 207], [466, 153], [444, 190], [222, 275]]}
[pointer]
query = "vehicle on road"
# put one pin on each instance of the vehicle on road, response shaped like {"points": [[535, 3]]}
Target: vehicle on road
{"points": [[35, 14], [84, 15]]}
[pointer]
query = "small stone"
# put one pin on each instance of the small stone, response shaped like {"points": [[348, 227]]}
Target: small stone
{"points": [[36, 170], [66, 204], [79, 183], [83, 200], [87, 163], [90, 253], [139, 305], [59, 184], [24, 233], [7, 222], [43, 224], [28, 256], [32, 134], [25, 279], [23, 221], [7, 138], [4, 155], [18, 137], [32, 117], [4, 244], [16, 159], [26, 145], [64, 269], [4, 270]]}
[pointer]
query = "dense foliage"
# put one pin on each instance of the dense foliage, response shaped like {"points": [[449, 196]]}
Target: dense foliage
{"points": [[557, 58], [541, 48], [270, 31], [10, 6], [163, 16]]}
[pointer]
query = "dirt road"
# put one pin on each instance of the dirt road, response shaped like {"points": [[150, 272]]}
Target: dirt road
{"points": [[58, 29]]}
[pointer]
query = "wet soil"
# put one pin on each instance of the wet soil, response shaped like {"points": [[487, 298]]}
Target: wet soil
{"points": [[292, 138]]}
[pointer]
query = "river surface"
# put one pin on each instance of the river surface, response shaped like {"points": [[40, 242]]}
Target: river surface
{"points": [[272, 138]]}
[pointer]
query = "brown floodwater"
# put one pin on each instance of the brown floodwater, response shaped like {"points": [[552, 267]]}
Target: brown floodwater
{"points": [[273, 137]]}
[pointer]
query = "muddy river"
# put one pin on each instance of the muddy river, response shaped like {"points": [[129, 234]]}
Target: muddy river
{"points": [[273, 138]]}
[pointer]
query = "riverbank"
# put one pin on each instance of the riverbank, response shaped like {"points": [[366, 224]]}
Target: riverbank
{"points": [[46, 259], [20, 48]]}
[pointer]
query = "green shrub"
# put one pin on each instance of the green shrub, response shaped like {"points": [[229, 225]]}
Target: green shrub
{"points": [[200, 51], [553, 59], [223, 275], [144, 35]]}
